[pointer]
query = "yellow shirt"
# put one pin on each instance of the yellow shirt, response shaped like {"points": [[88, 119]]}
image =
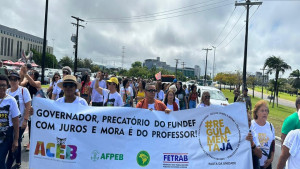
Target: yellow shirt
{"points": [[141, 94]]}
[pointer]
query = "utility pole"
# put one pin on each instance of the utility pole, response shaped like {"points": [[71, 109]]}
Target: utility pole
{"points": [[247, 5], [53, 51], [207, 49], [176, 67], [263, 82], [44, 43], [214, 63], [76, 44], [123, 54]]}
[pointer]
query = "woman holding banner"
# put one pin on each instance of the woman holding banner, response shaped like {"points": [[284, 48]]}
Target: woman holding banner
{"points": [[265, 132], [22, 96], [69, 86], [170, 101], [111, 95], [205, 99]]}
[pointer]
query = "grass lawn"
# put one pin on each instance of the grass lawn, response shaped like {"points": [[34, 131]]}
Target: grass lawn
{"points": [[276, 116], [281, 95]]}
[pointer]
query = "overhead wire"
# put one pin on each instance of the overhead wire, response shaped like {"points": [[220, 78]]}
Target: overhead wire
{"points": [[231, 29], [157, 13], [224, 26], [147, 20], [240, 29]]}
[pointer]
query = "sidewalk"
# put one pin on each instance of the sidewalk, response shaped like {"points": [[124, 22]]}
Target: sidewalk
{"points": [[280, 101]]}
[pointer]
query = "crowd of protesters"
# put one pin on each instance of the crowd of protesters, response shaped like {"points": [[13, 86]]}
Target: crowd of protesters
{"points": [[17, 90]]}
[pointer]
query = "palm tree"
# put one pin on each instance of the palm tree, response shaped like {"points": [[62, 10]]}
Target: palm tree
{"points": [[296, 79], [277, 65]]}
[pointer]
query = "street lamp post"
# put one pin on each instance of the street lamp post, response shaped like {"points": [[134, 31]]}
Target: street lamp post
{"points": [[44, 43], [214, 63], [53, 51]]}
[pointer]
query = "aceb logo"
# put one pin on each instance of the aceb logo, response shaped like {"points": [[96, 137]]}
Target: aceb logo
{"points": [[59, 150], [143, 158]]}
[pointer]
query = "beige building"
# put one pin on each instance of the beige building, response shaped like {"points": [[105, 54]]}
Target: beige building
{"points": [[13, 41]]}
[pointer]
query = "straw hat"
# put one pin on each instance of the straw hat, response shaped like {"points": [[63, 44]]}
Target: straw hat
{"points": [[69, 79]]}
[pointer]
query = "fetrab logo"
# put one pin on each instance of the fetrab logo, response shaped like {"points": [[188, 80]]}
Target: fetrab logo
{"points": [[143, 158], [58, 150], [217, 132], [175, 160]]}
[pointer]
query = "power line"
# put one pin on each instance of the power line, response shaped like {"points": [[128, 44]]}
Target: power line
{"points": [[157, 13], [240, 30], [224, 26], [231, 29], [165, 17]]}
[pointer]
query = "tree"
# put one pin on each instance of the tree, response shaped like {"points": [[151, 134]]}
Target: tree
{"points": [[277, 65], [251, 82], [220, 77], [136, 64], [50, 60], [296, 80], [66, 61]]}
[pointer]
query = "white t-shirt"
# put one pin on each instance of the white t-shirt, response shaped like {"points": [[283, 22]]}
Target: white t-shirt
{"points": [[129, 93], [177, 101], [112, 99], [78, 100], [265, 137], [57, 90], [170, 106], [292, 142], [96, 96], [160, 95], [8, 111], [151, 106], [21, 99]]}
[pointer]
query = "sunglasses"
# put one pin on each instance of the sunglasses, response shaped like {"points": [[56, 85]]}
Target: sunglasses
{"points": [[30, 73], [70, 85], [65, 72], [56, 77], [13, 79], [151, 90], [207, 97], [110, 83]]}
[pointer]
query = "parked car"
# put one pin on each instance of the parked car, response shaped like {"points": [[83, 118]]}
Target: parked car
{"points": [[216, 96]]}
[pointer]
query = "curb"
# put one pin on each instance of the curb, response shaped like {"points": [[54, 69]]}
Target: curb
{"points": [[277, 138]]}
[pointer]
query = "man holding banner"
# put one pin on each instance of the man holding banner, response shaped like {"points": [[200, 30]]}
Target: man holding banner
{"points": [[150, 102]]}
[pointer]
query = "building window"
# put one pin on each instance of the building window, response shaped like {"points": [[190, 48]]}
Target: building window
{"points": [[12, 47], [5, 46], [2, 39], [30, 46], [18, 49], [27, 46], [8, 47]]}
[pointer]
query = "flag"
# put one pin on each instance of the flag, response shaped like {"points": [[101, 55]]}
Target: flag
{"points": [[158, 76]]}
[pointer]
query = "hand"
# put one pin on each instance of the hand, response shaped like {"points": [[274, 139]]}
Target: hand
{"points": [[23, 69], [267, 163], [14, 146], [31, 111], [249, 137], [24, 124], [167, 111]]}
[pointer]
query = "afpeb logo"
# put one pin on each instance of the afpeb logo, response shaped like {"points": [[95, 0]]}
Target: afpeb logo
{"points": [[143, 158], [59, 150]]}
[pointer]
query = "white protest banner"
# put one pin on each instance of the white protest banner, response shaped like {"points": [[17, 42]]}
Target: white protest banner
{"points": [[71, 136]]}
